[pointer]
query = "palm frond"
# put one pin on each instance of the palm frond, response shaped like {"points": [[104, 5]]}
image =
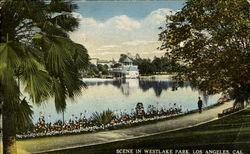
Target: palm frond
{"points": [[80, 57], [59, 94], [104, 117], [60, 6], [65, 21], [38, 85], [23, 115]]}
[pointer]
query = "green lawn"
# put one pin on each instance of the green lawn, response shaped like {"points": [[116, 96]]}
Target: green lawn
{"points": [[229, 133]]}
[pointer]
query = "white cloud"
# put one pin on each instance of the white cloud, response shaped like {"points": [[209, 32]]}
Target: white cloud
{"points": [[77, 15], [123, 22], [138, 42], [154, 52], [101, 49], [125, 33], [116, 23], [110, 46], [107, 47], [157, 17], [107, 53], [121, 25]]}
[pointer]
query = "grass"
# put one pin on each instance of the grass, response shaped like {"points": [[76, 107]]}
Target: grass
{"points": [[229, 133]]}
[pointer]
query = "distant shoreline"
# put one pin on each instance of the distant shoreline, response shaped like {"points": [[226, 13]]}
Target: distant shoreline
{"points": [[157, 76], [141, 77]]}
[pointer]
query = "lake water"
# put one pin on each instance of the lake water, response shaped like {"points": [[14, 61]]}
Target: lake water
{"points": [[122, 96]]}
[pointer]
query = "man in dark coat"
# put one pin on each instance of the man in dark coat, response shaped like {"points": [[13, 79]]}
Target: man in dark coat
{"points": [[200, 104]]}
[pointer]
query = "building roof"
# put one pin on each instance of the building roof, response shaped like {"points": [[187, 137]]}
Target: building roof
{"points": [[127, 60], [130, 68]]}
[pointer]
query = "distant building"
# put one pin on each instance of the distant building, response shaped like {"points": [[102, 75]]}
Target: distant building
{"points": [[94, 61], [97, 61], [127, 70], [105, 62]]}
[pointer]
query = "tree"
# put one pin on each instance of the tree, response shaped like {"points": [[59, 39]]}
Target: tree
{"points": [[92, 70], [145, 67], [36, 51], [103, 69], [116, 65], [166, 67], [122, 57], [157, 64], [137, 56], [211, 39]]}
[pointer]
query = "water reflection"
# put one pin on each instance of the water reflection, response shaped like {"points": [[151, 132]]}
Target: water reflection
{"points": [[125, 85], [158, 85]]}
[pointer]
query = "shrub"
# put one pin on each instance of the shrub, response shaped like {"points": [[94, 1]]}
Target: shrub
{"points": [[104, 117]]}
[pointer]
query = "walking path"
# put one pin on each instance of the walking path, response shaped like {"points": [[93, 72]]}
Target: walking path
{"points": [[80, 140]]}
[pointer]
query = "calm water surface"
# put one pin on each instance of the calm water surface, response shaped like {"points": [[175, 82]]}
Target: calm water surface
{"points": [[122, 96]]}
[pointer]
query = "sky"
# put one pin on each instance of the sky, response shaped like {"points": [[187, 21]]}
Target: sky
{"points": [[110, 28]]}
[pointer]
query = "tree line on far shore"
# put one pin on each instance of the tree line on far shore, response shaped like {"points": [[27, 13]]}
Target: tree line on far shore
{"points": [[146, 66]]}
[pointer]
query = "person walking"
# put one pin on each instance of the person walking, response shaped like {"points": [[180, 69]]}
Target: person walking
{"points": [[200, 104]]}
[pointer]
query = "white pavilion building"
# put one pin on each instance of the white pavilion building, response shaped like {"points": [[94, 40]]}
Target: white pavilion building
{"points": [[127, 70]]}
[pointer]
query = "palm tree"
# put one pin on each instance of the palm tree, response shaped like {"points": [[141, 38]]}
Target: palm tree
{"points": [[36, 51]]}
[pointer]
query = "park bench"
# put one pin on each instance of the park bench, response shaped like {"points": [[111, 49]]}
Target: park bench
{"points": [[230, 110]]}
